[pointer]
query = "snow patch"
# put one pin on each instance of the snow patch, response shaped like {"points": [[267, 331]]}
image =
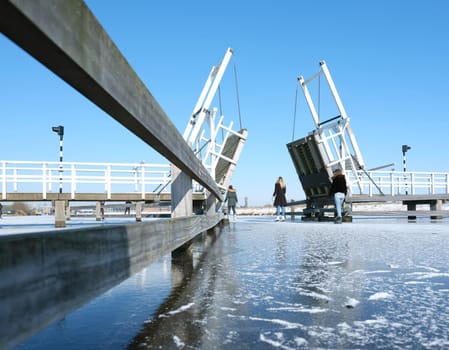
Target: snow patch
{"points": [[380, 296], [178, 342], [309, 310], [177, 311]]}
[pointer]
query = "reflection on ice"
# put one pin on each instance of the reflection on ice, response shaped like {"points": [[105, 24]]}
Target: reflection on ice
{"points": [[318, 286]]}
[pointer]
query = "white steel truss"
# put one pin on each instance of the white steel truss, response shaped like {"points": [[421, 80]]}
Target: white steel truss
{"points": [[206, 133], [335, 134]]}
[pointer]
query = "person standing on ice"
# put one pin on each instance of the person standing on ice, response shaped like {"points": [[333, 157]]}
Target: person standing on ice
{"points": [[280, 200], [231, 198], [338, 191]]}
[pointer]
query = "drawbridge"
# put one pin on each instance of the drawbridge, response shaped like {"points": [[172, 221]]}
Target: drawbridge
{"points": [[332, 144]]}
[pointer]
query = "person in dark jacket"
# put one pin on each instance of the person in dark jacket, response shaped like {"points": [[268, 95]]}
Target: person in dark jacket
{"points": [[338, 191], [279, 198], [231, 198]]}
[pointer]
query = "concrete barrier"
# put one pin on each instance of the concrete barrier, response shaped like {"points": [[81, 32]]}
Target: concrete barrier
{"points": [[45, 275]]}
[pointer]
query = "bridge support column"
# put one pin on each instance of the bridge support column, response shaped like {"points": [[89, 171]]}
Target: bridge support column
{"points": [[99, 211], [181, 193], [68, 216], [211, 205], [411, 206], [59, 214], [139, 206], [436, 205]]}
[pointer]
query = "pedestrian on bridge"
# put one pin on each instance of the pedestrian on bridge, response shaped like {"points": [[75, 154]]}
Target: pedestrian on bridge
{"points": [[338, 191], [231, 198], [279, 200]]}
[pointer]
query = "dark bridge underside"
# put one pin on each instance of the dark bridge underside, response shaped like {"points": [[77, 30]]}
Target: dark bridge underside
{"points": [[66, 38]]}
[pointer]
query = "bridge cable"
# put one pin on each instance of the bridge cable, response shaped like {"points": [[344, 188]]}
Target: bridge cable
{"points": [[367, 174], [237, 93], [294, 113]]}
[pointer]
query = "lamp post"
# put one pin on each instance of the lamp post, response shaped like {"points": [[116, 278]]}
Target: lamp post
{"points": [[405, 148], [60, 131]]}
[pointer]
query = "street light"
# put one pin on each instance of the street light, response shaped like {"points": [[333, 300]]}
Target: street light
{"points": [[405, 148], [60, 131]]}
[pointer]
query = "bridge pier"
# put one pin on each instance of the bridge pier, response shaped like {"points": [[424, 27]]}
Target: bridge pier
{"points": [[60, 217], [434, 204], [68, 215], [181, 193], [139, 206], [99, 211]]}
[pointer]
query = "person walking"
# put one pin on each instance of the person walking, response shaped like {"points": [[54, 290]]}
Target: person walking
{"points": [[231, 198], [279, 198], [338, 191]]}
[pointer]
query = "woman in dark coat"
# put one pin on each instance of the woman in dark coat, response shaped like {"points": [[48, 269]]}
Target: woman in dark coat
{"points": [[279, 198], [231, 198]]}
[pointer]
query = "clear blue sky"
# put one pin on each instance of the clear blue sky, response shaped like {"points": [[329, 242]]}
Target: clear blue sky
{"points": [[389, 60]]}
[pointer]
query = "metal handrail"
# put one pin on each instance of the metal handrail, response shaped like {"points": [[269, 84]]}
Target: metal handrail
{"points": [[398, 182], [45, 177]]}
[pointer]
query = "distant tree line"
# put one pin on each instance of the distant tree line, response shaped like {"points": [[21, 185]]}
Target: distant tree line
{"points": [[17, 208]]}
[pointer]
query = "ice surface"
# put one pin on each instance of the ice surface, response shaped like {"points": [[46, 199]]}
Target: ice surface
{"points": [[265, 285]]}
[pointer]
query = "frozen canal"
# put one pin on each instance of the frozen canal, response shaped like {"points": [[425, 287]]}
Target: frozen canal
{"points": [[267, 285]]}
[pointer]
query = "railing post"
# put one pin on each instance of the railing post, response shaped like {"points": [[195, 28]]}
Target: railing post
{"points": [[3, 179], [73, 181], [432, 183], [447, 182], [136, 179], [392, 184], [44, 180], [370, 186], [108, 181], [142, 179], [15, 180]]}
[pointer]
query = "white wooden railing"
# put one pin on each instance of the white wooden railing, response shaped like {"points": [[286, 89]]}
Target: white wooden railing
{"points": [[45, 177], [399, 183]]}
